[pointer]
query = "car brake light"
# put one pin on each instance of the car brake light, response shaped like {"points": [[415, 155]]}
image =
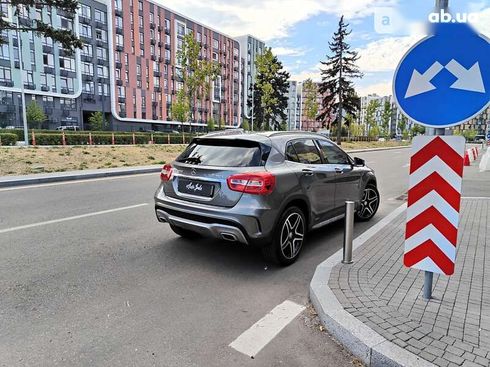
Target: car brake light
{"points": [[257, 183], [166, 173]]}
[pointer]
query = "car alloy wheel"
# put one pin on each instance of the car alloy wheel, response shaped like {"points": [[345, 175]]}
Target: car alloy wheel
{"points": [[292, 234], [369, 203]]}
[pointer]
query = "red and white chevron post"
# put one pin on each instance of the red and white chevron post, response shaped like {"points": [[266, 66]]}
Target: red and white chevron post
{"points": [[434, 198]]}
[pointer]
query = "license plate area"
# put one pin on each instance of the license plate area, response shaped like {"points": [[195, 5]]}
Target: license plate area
{"points": [[195, 187]]}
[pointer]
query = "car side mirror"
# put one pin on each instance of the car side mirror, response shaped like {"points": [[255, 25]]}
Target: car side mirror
{"points": [[359, 162]]}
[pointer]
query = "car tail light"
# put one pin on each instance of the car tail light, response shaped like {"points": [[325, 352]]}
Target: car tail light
{"points": [[166, 173], [258, 183]]}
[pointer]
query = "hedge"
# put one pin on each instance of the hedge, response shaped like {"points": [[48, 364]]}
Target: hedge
{"points": [[105, 139], [8, 139]]}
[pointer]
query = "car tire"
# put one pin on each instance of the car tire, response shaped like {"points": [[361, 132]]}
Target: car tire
{"points": [[185, 233], [369, 204], [288, 238]]}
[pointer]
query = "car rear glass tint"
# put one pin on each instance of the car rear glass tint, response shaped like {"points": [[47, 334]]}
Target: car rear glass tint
{"points": [[222, 153]]}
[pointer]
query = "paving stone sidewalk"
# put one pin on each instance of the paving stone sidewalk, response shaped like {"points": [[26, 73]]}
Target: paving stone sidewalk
{"points": [[453, 329]]}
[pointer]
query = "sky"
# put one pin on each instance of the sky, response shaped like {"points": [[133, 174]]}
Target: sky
{"points": [[299, 30]]}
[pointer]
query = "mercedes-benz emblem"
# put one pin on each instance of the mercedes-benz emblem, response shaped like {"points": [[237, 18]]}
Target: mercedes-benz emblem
{"points": [[193, 172]]}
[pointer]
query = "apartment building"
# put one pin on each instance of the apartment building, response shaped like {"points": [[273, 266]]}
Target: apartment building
{"points": [[250, 49], [480, 123], [396, 114], [67, 86], [293, 111], [147, 39], [128, 68]]}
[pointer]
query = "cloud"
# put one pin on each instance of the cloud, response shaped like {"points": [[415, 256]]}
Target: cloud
{"points": [[267, 19], [483, 22], [310, 73], [287, 51], [381, 89]]}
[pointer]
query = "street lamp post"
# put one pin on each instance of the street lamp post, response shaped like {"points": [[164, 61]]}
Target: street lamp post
{"points": [[22, 90]]}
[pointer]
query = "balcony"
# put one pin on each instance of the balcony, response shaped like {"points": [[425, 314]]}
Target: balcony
{"points": [[157, 89], [122, 99], [153, 57], [167, 61], [64, 72], [122, 113], [118, 12], [153, 41], [160, 59], [86, 58], [167, 31], [30, 86], [87, 77], [161, 44], [84, 20], [100, 25], [119, 30], [48, 48], [157, 73], [152, 25], [160, 28], [102, 62], [119, 82], [154, 104], [118, 64], [7, 83], [119, 48], [167, 46], [101, 43]]}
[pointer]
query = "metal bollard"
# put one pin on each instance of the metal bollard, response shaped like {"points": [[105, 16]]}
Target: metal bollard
{"points": [[348, 231]]}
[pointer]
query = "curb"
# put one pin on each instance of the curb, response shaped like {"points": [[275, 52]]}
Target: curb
{"points": [[363, 342], [83, 175], [76, 175]]}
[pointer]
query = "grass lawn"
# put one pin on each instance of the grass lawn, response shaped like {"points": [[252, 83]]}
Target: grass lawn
{"points": [[22, 161]]}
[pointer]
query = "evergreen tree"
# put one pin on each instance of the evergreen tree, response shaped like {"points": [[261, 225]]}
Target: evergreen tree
{"points": [[270, 91], [67, 38], [210, 125], [336, 86], [96, 121]]}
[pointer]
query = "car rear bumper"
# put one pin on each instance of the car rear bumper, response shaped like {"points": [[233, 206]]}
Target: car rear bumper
{"points": [[248, 223]]}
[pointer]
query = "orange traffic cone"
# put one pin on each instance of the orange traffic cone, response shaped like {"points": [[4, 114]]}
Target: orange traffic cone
{"points": [[467, 159]]}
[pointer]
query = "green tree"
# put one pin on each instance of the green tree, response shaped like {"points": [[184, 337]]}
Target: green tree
{"points": [[418, 130], [35, 115], [270, 92], [310, 91], [386, 118], [180, 108], [402, 125], [245, 125], [23, 8], [356, 129], [97, 121], [336, 86], [196, 73], [371, 114], [211, 124], [374, 131]]}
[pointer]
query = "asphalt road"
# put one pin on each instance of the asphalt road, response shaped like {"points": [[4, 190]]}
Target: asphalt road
{"points": [[111, 286]]}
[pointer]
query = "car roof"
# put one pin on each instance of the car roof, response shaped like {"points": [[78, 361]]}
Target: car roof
{"points": [[264, 136]]}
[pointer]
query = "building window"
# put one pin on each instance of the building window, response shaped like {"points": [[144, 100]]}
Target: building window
{"points": [[85, 31], [180, 29], [215, 44], [67, 83], [88, 68], [87, 50], [119, 5], [102, 53], [102, 71], [119, 40], [85, 11], [65, 24], [100, 16], [68, 104], [121, 92], [140, 5], [103, 89], [5, 75], [4, 52], [67, 63], [88, 87], [101, 35], [119, 22]]}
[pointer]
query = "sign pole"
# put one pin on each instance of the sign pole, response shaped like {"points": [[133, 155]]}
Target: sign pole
{"points": [[429, 276]]}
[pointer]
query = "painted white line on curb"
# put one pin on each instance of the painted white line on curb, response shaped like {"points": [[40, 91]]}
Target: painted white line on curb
{"points": [[263, 331], [36, 186], [476, 197], [12, 229]]}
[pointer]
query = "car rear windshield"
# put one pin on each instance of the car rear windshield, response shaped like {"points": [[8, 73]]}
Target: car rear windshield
{"points": [[223, 153]]}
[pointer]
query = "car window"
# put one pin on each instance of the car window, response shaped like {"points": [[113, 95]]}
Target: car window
{"points": [[332, 153], [306, 151], [291, 153]]}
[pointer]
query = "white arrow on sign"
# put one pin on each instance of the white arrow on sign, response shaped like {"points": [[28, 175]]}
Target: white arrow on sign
{"points": [[420, 83], [469, 80]]}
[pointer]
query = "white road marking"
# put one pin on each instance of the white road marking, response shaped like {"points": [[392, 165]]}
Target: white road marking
{"points": [[261, 333], [27, 186], [12, 229]]}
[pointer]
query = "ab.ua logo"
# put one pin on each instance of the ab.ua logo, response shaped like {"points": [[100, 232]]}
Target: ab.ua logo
{"points": [[445, 17]]}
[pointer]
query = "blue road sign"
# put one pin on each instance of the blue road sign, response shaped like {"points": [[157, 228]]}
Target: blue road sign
{"points": [[444, 80]]}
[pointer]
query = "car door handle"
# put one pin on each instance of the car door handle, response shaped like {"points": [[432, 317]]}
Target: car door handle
{"points": [[307, 172], [339, 170]]}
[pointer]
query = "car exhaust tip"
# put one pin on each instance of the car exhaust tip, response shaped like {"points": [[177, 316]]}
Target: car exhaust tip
{"points": [[229, 237]]}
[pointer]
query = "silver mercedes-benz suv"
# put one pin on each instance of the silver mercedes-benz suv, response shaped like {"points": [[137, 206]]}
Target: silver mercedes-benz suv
{"points": [[265, 189]]}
